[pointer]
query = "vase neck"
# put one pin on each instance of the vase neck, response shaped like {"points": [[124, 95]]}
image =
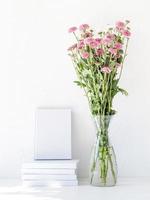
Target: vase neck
{"points": [[102, 121], [103, 140], [102, 126]]}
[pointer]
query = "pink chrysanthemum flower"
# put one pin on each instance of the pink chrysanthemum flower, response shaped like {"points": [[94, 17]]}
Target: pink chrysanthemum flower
{"points": [[110, 36], [126, 33], [113, 51], [88, 40], [72, 29], [99, 52], [80, 44], [99, 41], [85, 55], [74, 46], [106, 41], [120, 25], [118, 45], [106, 70], [93, 44], [83, 27]]}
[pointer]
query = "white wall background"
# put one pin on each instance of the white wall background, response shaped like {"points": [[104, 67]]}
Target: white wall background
{"points": [[36, 71]]}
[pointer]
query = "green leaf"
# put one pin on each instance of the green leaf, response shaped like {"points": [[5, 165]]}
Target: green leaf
{"points": [[114, 83], [119, 39], [123, 91], [99, 77], [120, 51], [127, 21], [100, 33], [107, 61], [86, 72], [119, 60], [80, 84]]}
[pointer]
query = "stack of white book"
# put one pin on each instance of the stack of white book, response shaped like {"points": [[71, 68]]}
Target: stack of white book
{"points": [[50, 173]]}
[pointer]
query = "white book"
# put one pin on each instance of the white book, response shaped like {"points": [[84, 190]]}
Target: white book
{"points": [[48, 177], [47, 171], [50, 183], [52, 164]]}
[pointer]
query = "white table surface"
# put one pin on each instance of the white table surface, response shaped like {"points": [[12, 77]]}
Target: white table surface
{"points": [[126, 189]]}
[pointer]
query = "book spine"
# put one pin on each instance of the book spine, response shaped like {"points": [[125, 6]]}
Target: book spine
{"points": [[50, 183], [48, 171], [49, 166], [49, 177]]}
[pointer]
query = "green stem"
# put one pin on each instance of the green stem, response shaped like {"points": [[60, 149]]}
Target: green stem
{"points": [[110, 92], [125, 53], [86, 93], [105, 95], [112, 168], [94, 159], [103, 165], [75, 36]]}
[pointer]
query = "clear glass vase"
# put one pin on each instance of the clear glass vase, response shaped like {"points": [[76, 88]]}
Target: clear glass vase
{"points": [[103, 167]]}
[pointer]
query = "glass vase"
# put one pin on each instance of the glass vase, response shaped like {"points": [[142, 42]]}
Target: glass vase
{"points": [[103, 167]]}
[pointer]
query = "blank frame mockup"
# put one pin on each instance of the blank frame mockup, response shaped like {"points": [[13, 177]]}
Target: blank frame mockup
{"points": [[53, 134]]}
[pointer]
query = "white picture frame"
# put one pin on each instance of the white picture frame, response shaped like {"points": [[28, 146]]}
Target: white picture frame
{"points": [[52, 134]]}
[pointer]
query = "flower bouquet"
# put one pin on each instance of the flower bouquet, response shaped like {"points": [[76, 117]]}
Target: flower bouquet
{"points": [[98, 61]]}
